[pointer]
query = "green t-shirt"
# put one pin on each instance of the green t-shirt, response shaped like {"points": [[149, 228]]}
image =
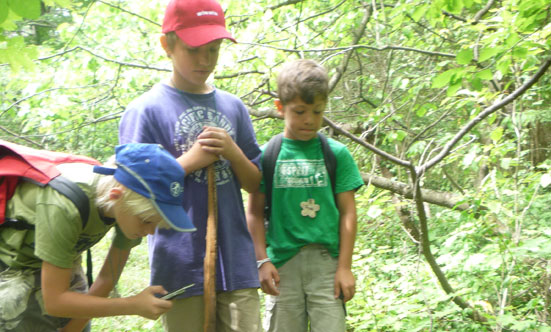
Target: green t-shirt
{"points": [[57, 237], [300, 176]]}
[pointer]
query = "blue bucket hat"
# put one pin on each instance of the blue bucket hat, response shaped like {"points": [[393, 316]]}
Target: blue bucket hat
{"points": [[152, 172]]}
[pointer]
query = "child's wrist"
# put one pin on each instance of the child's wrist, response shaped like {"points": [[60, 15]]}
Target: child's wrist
{"points": [[261, 262]]}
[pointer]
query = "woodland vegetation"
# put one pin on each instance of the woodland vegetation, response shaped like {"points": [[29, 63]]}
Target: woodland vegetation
{"points": [[445, 105]]}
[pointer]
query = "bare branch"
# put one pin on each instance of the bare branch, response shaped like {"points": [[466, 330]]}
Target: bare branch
{"points": [[234, 75], [440, 198], [122, 63], [286, 3], [357, 36], [485, 113], [331, 49], [459, 18], [483, 11], [129, 12], [363, 143]]}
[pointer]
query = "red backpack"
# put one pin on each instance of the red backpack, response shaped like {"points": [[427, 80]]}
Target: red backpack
{"points": [[21, 163]]}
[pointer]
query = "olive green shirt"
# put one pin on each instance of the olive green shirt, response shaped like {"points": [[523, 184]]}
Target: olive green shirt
{"points": [[58, 236]]}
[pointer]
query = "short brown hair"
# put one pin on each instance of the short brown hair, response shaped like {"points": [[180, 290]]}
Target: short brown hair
{"points": [[171, 39], [303, 78]]}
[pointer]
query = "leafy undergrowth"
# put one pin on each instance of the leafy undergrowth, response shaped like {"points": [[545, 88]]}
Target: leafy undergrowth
{"points": [[505, 281]]}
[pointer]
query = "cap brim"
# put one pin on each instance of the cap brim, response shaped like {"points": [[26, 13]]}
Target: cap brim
{"points": [[175, 216], [204, 34]]}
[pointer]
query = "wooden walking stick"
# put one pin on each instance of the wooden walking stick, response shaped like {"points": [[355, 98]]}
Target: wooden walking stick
{"points": [[209, 266]]}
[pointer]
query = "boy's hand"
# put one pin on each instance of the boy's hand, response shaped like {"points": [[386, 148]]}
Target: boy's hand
{"points": [[269, 278], [345, 283], [196, 158], [148, 305], [217, 141]]}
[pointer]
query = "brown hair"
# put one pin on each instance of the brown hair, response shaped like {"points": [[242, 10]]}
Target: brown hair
{"points": [[302, 78], [171, 39]]}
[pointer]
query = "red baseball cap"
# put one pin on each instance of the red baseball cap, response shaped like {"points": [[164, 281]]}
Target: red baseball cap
{"points": [[196, 22]]}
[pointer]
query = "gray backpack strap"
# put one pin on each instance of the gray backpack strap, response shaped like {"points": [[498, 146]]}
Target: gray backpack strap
{"points": [[268, 167]]}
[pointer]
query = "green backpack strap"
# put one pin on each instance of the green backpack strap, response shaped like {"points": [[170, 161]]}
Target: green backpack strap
{"points": [[268, 168]]}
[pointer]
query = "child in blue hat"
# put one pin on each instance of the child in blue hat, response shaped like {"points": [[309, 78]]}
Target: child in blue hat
{"points": [[42, 286]]}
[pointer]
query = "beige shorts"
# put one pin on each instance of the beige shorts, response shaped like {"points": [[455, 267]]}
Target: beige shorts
{"points": [[306, 295], [236, 311]]}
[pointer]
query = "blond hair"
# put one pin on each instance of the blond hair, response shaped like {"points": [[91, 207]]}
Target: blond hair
{"points": [[132, 202]]}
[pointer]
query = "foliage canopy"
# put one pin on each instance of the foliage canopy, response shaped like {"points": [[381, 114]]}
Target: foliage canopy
{"points": [[444, 104]]}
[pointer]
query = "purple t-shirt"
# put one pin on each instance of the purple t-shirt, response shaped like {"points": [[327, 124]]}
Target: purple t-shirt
{"points": [[174, 119]]}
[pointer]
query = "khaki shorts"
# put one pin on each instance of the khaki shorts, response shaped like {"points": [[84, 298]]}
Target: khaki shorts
{"points": [[306, 295], [236, 311]]}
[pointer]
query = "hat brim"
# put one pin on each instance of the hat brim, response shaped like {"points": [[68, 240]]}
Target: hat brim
{"points": [[175, 216], [203, 34]]}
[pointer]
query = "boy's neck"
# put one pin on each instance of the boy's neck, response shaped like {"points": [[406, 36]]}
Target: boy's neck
{"points": [[204, 89]]}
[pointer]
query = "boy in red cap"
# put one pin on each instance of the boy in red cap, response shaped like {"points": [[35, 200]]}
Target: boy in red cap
{"points": [[186, 114]]}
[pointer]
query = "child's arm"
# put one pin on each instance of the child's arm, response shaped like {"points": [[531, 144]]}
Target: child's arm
{"points": [[60, 301], [268, 275], [104, 283], [344, 279], [219, 142]]}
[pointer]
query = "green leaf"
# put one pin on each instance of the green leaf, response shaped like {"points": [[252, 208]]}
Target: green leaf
{"points": [[454, 6], [18, 54], [464, 56], [485, 74], [512, 40], [419, 12], [496, 134], [520, 52], [400, 135], [25, 8], [487, 53], [61, 3], [424, 109], [503, 65], [452, 90], [492, 118], [3, 10], [476, 82], [443, 79]]}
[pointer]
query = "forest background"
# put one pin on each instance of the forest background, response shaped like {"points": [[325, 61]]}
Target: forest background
{"points": [[444, 104]]}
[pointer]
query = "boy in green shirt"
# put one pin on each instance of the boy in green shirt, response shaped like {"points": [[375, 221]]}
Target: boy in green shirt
{"points": [[305, 255], [42, 287]]}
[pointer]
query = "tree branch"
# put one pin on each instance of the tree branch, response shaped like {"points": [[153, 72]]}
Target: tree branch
{"points": [[129, 12], [351, 47], [286, 3], [363, 143], [440, 198], [485, 113], [357, 36]]}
